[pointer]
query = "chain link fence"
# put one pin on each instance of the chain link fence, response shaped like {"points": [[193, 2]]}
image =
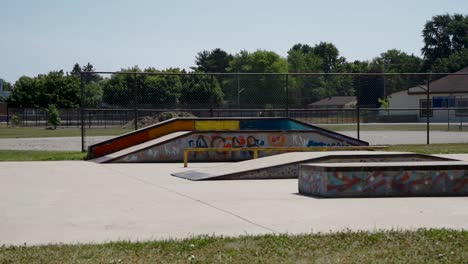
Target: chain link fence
{"points": [[368, 106]]}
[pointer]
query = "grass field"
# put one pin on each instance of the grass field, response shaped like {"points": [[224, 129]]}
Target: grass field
{"points": [[31, 155], [32, 132], [421, 246], [432, 148], [396, 127]]}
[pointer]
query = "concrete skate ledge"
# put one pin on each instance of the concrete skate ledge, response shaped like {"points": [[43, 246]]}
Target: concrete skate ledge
{"points": [[433, 178]]}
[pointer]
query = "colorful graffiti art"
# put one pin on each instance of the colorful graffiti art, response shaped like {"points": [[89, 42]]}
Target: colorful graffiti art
{"points": [[173, 150], [382, 182]]}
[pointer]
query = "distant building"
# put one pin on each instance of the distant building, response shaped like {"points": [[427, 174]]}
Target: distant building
{"points": [[335, 102], [448, 92], [3, 94]]}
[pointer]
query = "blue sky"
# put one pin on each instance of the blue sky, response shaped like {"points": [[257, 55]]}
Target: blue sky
{"points": [[40, 36]]}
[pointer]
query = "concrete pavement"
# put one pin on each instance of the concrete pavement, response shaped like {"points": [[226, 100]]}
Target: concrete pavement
{"points": [[78, 202]]}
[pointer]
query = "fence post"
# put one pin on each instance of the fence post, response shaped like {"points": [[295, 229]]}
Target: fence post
{"points": [[427, 108], [448, 117], [7, 115], [82, 113], [212, 90], [287, 95], [358, 108], [238, 90], [461, 116], [135, 98]]}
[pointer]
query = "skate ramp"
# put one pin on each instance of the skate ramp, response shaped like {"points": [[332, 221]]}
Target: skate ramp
{"points": [[214, 145], [274, 126], [284, 166], [134, 149]]}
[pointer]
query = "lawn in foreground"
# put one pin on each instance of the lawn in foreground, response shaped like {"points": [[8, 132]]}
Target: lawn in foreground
{"points": [[421, 246]]}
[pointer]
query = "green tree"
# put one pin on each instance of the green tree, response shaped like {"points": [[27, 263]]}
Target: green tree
{"points": [[151, 90], [90, 76], [259, 89], [331, 59], [119, 88], [200, 90], [356, 66], [396, 61], [385, 104], [303, 48], [76, 70], [57, 89], [93, 94], [444, 35], [305, 89], [53, 116], [161, 90], [455, 62], [322, 58], [25, 93], [216, 60]]}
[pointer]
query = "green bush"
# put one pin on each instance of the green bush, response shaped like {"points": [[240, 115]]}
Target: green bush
{"points": [[15, 121], [53, 116]]}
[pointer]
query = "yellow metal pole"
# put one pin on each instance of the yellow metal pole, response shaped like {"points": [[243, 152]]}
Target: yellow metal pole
{"points": [[185, 158], [255, 154]]}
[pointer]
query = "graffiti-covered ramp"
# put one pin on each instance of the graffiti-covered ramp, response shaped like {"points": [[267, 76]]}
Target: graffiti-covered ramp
{"points": [[284, 166], [219, 125], [139, 147], [212, 146]]}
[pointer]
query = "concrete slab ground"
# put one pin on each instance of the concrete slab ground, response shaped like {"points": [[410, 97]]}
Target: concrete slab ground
{"points": [[78, 202]]}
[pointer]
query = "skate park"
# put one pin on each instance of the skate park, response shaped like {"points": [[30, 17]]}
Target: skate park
{"points": [[239, 173], [252, 144], [234, 132]]}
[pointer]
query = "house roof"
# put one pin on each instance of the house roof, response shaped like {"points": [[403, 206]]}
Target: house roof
{"points": [[335, 100], [447, 84]]}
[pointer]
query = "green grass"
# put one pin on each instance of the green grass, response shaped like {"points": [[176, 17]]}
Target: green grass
{"points": [[421, 246], [399, 127], [432, 148], [32, 132], [32, 155]]}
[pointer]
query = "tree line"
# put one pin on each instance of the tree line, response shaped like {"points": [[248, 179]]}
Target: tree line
{"points": [[445, 50]]}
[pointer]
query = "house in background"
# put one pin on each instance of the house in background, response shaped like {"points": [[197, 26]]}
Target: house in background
{"points": [[3, 94], [335, 102], [3, 105], [445, 93]]}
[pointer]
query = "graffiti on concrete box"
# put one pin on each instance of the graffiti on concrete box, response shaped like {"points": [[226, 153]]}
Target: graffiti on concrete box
{"points": [[382, 182]]}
